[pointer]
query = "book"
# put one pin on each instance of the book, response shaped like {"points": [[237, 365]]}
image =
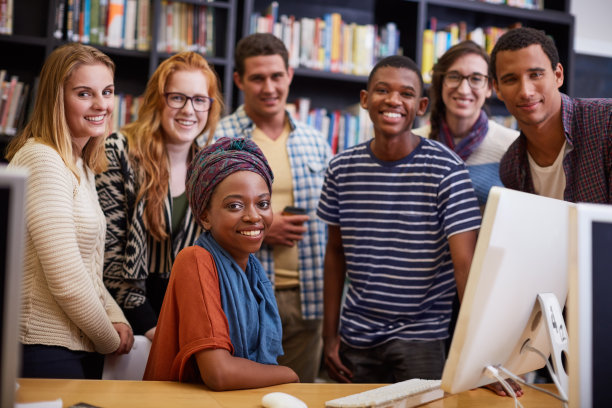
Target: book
{"points": [[10, 127], [6, 17], [7, 95], [336, 39], [69, 19], [60, 11], [202, 30], [427, 55], [76, 21], [210, 32], [129, 37], [94, 22], [143, 27], [272, 12], [85, 23], [103, 24], [114, 30]]}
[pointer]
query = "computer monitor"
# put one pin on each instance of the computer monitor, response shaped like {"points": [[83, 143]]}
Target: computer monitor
{"points": [[521, 251], [590, 306], [12, 206]]}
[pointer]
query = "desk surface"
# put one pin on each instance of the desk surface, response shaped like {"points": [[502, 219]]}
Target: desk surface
{"points": [[130, 394]]}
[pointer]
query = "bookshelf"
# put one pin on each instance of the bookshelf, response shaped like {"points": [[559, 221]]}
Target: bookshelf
{"points": [[32, 40], [412, 17]]}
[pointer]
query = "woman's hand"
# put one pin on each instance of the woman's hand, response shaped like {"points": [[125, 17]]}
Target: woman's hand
{"points": [[126, 337]]}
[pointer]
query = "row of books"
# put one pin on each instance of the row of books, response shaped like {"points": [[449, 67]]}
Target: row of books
{"points": [[113, 23], [186, 27], [436, 42], [341, 128], [328, 43], [126, 110], [6, 17], [13, 102], [526, 4]]}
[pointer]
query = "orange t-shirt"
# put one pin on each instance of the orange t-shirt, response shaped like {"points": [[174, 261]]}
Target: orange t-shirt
{"points": [[191, 319]]}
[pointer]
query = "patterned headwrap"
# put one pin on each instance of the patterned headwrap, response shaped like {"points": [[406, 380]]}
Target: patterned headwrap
{"points": [[215, 162]]}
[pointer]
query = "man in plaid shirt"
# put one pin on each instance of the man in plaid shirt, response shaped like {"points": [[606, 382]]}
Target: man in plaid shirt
{"points": [[293, 250], [564, 150]]}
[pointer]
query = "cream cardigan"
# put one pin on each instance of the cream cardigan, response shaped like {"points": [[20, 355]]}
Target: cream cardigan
{"points": [[64, 302]]}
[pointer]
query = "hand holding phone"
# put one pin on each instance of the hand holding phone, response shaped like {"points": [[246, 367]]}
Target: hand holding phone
{"points": [[290, 210]]}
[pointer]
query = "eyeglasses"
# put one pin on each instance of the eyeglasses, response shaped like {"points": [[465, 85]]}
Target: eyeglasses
{"points": [[176, 100], [454, 79]]}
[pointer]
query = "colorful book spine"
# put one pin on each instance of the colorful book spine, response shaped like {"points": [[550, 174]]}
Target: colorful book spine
{"points": [[427, 55], [115, 24], [60, 14], [129, 25], [94, 22]]}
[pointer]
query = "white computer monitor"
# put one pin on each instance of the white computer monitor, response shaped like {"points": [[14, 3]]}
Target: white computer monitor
{"points": [[590, 306], [521, 251], [12, 206]]}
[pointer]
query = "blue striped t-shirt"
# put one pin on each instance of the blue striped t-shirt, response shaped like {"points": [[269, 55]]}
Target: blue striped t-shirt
{"points": [[395, 219]]}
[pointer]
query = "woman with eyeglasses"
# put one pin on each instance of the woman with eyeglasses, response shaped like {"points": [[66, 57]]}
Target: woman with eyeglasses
{"points": [[460, 85], [143, 191]]}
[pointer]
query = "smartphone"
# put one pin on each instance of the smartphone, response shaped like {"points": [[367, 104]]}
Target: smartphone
{"points": [[290, 210]]}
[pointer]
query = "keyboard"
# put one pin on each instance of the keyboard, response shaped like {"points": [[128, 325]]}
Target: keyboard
{"points": [[404, 394]]}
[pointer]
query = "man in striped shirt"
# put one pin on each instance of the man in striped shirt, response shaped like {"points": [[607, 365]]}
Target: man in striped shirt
{"points": [[564, 150], [402, 223]]}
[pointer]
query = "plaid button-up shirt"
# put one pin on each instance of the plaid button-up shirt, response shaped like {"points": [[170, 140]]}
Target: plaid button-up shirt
{"points": [[588, 164], [309, 154]]}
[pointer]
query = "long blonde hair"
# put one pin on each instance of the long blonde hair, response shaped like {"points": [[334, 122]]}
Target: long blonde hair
{"points": [[47, 123], [147, 147]]}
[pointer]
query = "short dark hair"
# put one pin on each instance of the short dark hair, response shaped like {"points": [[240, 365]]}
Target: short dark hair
{"points": [[438, 108], [258, 44], [523, 37], [397, 61]]}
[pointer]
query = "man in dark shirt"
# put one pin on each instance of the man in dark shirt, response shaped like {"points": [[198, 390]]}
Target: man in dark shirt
{"points": [[564, 150]]}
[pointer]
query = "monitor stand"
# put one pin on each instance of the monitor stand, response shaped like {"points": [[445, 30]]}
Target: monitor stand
{"points": [[558, 338]]}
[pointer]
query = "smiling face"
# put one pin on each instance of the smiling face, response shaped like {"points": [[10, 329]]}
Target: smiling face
{"points": [[392, 100], [89, 102], [463, 103], [182, 126], [265, 84], [239, 214], [528, 85]]}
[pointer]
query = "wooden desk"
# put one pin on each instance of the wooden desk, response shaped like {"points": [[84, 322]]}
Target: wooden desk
{"points": [[149, 394]]}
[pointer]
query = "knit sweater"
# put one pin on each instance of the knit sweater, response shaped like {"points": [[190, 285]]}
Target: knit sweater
{"points": [[64, 302]]}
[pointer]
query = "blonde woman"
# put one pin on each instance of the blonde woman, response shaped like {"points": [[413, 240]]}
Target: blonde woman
{"points": [[68, 318], [143, 191]]}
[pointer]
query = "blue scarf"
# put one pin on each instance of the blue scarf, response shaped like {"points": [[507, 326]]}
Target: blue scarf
{"points": [[249, 305], [471, 141]]}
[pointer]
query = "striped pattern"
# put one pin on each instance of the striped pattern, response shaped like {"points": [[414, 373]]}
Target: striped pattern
{"points": [[132, 255], [64, 302], [395, 219], [308, 156], [588, 165]]}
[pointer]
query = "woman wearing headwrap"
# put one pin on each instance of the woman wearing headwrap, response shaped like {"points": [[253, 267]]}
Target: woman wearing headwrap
{"points": [[219, 322]]}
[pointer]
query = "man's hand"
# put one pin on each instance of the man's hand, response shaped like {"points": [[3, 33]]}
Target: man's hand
{"points": [[336, 370], [126, 337], [497, 388], [286, 230]]}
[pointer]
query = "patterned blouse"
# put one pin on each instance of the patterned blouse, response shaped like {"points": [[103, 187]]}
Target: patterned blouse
{"points": [[136, 266]]}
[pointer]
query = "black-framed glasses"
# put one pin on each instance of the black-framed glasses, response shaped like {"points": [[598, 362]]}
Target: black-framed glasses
{"points": [[454, 79], [177, 100]]}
